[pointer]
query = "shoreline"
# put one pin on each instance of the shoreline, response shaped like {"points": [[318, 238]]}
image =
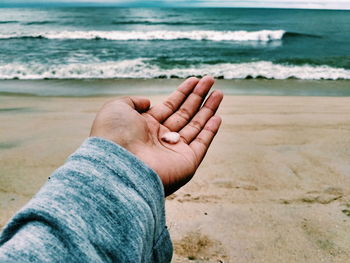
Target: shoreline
{"points": [[107, 87]]}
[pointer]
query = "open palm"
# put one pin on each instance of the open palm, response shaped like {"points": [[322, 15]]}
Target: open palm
{"points": [[131, 123]]}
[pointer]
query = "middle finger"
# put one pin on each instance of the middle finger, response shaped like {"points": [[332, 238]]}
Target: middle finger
{"points": [[190, 107]]}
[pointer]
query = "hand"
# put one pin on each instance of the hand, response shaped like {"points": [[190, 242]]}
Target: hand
{"points": [[131, 123]]}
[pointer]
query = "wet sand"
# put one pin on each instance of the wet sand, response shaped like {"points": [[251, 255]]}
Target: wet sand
{"points": [[274, 187]]}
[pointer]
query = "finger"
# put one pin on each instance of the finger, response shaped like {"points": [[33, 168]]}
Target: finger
{"points": [[195, 126], [162, 111], [190, 107], [201, 143], [137, 103]]}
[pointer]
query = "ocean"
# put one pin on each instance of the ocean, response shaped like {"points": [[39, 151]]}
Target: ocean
{"points": [[227, 43]]}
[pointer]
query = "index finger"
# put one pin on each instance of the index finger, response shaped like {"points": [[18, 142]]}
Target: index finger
{"points": [[162, 111]]}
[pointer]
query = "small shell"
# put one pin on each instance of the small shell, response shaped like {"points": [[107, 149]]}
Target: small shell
{"points": [[171, 137]]}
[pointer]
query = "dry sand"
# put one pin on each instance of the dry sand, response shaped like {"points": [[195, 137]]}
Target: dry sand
{"points": [[274, 187]]}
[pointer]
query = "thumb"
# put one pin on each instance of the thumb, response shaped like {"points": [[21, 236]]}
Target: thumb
{"points": [[137, 103]]}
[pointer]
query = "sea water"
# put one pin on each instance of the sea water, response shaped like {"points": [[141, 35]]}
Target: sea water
{"points": [[228, 43]]}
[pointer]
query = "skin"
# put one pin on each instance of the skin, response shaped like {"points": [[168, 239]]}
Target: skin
{"points": [[134, 125]]}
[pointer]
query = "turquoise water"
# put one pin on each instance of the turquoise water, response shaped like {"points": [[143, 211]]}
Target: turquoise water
{"points": [[229, 43]]}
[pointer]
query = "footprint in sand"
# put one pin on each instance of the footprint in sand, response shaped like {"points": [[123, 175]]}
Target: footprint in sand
{"points": [[197, 246], [327, 196], [198, 199], [229, 185], [346, 211]]}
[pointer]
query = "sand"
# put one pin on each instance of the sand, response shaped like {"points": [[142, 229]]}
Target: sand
{"points": [[274, 187]]}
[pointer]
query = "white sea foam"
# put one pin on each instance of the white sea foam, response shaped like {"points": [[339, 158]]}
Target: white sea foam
{"points": [[262, 35], [141, 68]]}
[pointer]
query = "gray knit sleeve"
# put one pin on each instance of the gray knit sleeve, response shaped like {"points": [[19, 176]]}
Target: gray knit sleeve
{"points": [[102, 205]]}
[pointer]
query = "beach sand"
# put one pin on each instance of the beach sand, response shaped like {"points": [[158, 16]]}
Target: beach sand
{"points": [[274, 187]]}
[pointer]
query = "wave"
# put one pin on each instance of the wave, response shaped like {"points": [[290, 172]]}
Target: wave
{"points": [[148, 22], [9, 22], [39, 23], [143, 68], [295, 34], [331, 61], [262, 35]]}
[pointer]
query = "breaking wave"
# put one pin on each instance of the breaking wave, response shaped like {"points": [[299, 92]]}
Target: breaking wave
{"points": [[262, 35], [143, 68]]}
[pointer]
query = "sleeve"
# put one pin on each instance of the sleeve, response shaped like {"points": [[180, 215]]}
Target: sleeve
{"points": [[102, 205]]}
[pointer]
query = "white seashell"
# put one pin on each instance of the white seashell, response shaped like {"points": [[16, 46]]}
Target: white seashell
{"points": [[171, 137]]}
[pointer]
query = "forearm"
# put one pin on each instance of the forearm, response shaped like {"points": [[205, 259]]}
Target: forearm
{"points": [[103, 205]]}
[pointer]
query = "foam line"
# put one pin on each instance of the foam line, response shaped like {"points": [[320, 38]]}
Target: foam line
{"points": [[262, 35], [143, 68]]}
